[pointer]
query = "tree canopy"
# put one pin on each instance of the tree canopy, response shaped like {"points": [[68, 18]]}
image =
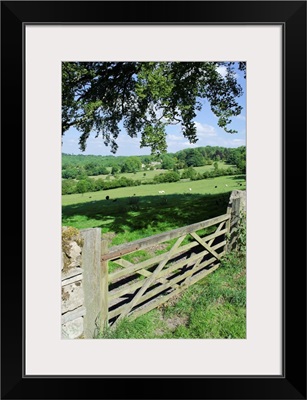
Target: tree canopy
{"points": [[145, 97]]}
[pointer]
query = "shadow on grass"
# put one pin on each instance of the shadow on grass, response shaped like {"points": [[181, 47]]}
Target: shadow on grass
{"points": [[137, 213], [239, 177]]}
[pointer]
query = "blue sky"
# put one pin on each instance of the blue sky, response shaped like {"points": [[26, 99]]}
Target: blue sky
{"points": [[208, 133]]}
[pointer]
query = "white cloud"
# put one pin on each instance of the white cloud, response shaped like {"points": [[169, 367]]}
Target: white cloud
{"points": [[204, 130]]}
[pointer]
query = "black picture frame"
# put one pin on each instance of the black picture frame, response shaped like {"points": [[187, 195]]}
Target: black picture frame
{"points": [[292, 383]]}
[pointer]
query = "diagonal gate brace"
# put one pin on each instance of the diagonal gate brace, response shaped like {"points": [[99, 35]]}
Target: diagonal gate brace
{"points": [[205, 245], [150, 279]]}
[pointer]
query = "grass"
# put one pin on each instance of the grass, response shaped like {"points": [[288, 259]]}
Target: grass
{"points": [[216, 306], [212, 308], [152, 213], [204, 186]]}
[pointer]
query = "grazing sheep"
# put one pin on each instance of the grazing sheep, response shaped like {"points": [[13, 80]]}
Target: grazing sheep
{"points": [[190, 189], [226, 185], [161, 191]]}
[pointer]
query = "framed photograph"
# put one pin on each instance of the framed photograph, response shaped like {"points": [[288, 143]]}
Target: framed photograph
{"points": [[46, 46]]}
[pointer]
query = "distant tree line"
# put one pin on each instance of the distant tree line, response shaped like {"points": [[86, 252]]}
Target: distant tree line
{"points": [[72, 186], [81, 166], [193, 175]]}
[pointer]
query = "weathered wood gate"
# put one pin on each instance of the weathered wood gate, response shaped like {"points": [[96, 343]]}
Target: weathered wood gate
{"points": [[190, 254], [174, 260]]}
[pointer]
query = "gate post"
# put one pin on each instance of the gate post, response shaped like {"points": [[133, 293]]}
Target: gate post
{"points": [[91, 256], [233, 208], [104, 288]]}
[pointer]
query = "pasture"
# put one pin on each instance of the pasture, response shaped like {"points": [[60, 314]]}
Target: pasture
{"points": [[212, 308], [135, 212]]}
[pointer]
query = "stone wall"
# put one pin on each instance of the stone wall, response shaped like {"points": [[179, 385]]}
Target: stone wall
{"points": [[73, 310]]}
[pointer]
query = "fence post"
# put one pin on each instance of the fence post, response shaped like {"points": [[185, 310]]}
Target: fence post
{"points": [[91, 256], [233, 209], [229, 210], [104, 288]]}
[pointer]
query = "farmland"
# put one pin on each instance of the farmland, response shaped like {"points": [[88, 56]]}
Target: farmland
{"points": [[134, 212], [212, 308]]}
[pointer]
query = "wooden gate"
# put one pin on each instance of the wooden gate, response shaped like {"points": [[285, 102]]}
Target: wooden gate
{"points": [[173, 261]]}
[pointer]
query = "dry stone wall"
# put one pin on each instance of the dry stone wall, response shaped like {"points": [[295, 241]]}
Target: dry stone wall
{"points": [[73, 310]]}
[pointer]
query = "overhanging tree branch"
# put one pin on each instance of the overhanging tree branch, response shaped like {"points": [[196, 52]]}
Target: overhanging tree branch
{"points": [[106, 93]]}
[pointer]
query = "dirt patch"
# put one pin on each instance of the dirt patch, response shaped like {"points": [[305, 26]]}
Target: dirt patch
{"points": [[171, 324], [174, 322]]}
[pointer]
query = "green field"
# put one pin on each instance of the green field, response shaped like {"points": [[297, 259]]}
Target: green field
{"points": [[149, 175], [204, 186], [213, 308], [135, 212]]}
